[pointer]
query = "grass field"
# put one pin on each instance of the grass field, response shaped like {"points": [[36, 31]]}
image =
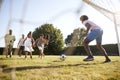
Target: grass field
{"points": [[52, 68]]}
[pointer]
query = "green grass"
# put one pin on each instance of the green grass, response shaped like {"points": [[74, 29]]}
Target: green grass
{"points": [[52, 68]]}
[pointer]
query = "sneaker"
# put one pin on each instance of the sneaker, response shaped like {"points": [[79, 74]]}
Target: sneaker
{"points": [[89, 58], [107, 60]]}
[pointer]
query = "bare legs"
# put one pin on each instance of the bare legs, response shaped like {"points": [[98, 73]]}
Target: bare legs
{"points": [[102, 50], [90, 55], [41, 54], [87, 48], [27, 53]]}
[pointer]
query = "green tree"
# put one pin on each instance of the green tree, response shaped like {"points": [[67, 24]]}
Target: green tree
{"points": [[80, 39], [75, 39], [68, 39], [55, 38]]}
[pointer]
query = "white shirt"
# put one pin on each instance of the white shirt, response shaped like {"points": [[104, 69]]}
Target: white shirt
{"points": [[28, 45], [93, 25], [21, 42], [28, 42]]}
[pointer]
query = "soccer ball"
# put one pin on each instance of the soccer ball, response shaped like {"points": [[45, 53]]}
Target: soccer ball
{"points": [[63, 57]]}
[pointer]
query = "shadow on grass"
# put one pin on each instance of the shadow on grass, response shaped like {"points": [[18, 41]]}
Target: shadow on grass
{"points": [[58, 61], [5, 69], [3, 66]]}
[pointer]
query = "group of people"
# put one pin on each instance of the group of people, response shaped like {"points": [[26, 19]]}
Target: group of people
{"points": [[25, 44], [93, 32]]}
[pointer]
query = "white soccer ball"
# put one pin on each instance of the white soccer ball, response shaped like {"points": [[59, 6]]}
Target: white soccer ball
{"points": [[63, 57]]}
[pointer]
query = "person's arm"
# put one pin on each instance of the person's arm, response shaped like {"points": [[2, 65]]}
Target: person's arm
{"points": [[33, 42], [36, 43], [24, 40], [47, 39], [46, 42], [18, 43], [14, 38], [88, 29]]}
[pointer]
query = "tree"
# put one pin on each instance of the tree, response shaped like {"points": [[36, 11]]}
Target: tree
{"points": [[80, 40], [68, 39], [75, 39], [55, 38]]}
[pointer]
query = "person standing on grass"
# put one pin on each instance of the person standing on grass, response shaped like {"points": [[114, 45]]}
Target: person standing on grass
{"points": [[28, 43], [21, 45], [95, 33], [9, 42], [40, 42]]}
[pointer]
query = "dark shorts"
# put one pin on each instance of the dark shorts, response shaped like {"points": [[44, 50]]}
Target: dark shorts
{"points": [[22, 47]]}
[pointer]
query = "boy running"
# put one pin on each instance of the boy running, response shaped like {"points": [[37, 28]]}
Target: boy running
{"points": [[40, 42]]}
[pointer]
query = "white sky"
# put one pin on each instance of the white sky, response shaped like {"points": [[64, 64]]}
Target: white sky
{"points": [[61, 13]]}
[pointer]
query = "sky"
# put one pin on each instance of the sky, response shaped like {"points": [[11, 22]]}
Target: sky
{"points": [[63, 14]]}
